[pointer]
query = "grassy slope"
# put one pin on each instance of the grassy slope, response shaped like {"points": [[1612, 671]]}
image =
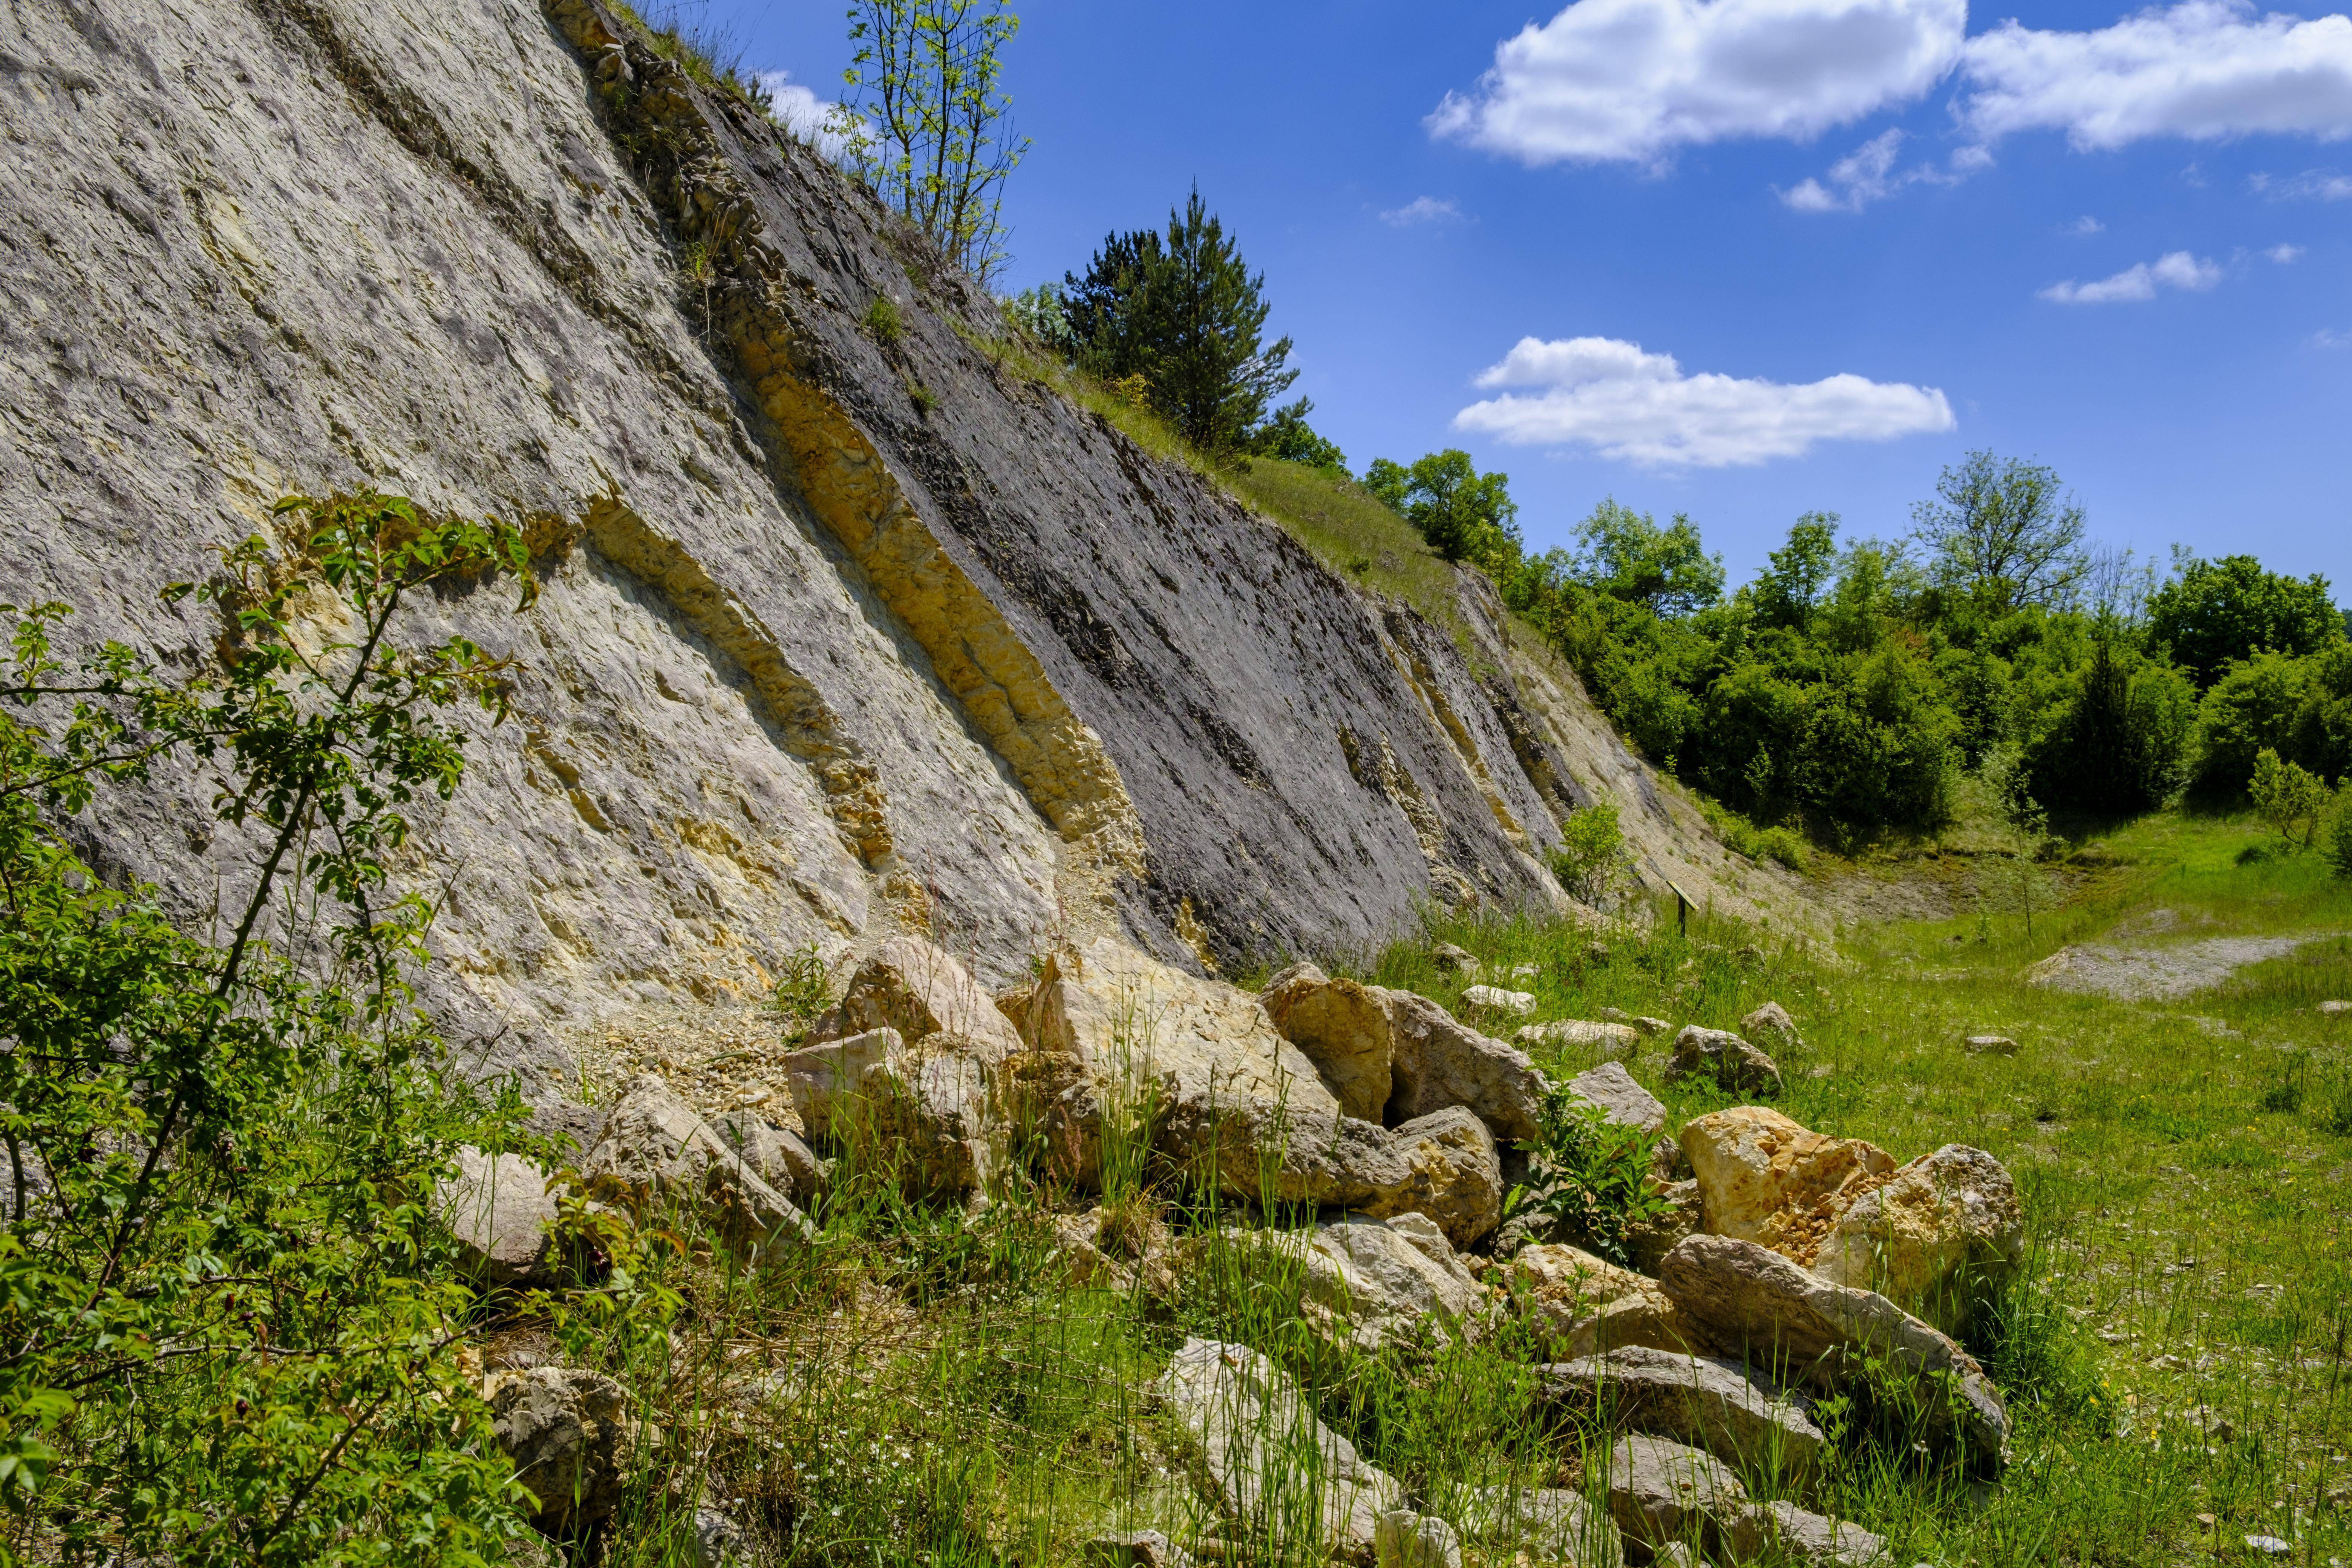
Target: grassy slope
{"points": [[943, 1392]]}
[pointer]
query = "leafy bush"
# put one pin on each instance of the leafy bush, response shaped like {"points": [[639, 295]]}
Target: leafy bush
{"points": [[2287, 797], [2339, 832], [1463, 515], [2213, 613], [2121, 742], [1757, 843], [1590, 1174], [1590, 860], [232, 1311]]}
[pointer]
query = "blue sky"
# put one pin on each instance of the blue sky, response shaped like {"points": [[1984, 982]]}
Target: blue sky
{"points": [[2119, 244]]}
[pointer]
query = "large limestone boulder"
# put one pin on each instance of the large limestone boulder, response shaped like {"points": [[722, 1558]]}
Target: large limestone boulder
{"points": [[1615, 1041], [1756, 1303], [1275, 1469], [1199, 1067], [921, 990], [1770, 1025], [1550, 1524], [1439, 1061], [782, 1160], [1763, 1178], [1781, 1531], [1583, 1305], [1399, 1268], [1403, 1539], [1710, 1403], [1342, 1027], [654, 1148], [1620, 1098], [1934, 1238], [571, 1438], [500, 1209], [1662, 1492], [825, 1078], [1724, 1057]]}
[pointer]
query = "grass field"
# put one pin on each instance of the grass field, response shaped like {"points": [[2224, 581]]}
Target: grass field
{"points": [[927, 1385]]}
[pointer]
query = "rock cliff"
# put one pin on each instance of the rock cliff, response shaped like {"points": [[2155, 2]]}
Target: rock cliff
{"points": [[844, 632]]}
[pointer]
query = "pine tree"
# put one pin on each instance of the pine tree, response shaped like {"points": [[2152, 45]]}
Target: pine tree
{"points": [[1183, 312]]}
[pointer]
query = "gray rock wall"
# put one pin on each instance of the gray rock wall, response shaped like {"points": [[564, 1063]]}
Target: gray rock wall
{"points": [[820, 657]]}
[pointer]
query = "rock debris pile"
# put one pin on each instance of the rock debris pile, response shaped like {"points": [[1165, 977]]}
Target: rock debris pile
{"points": [[1782, 1265]]}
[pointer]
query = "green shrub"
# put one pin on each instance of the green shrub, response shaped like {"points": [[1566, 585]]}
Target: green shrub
{"points": [[2251, 708], [2287, 797], [1590, 860], [1590, 1174], [2339, 832], [232, 1314], [1737, 832]]}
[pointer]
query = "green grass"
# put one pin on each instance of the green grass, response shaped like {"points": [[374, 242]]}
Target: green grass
{"points": [[930, 1385], [1353, 534]]}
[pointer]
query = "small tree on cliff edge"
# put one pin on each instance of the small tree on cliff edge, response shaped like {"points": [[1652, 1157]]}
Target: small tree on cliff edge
{"points": [[1183, 312], [927, 122]]}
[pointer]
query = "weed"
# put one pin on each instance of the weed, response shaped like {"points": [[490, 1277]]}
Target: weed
{"points": [[924, 399], [882, 319]]}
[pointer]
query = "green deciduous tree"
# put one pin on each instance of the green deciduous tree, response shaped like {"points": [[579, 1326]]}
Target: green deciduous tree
{"points": [[2211, 612], [925, 121], [230, 1313], [2121, 742], [1624, 554], [1799, 572], [1463, 514], [2000, 530], [1286, 435]]}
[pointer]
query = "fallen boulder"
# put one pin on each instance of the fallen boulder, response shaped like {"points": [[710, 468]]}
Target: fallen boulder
{"points": [[500, 1209], [1439, 1061], [1709, 1402], [1763, 1178], [1756, 1303], [1620, 1098], [921, 990], [1989, 1045], [1495, 999], [654, 1148], [1662, 1492], [1550, 1524], [1936, 1237], [1403, 1539], [1342, 1027], [1731, 1062], [1785, 1532], [782, 1160], [1581, 1305], [571, 1438], [1613, 1041], [1771, 1024], [1275, 1469], [825, 1078]]}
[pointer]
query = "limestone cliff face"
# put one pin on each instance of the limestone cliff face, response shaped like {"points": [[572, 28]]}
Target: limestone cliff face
{"points": [[840, 635]]}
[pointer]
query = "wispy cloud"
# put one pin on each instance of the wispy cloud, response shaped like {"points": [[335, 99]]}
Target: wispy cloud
{"points": [[1622, 402], [1868, 175], [1422, 209], [2282, 254], [2311, 186], [2087, 226], [2328, 338], [2175, 270]]}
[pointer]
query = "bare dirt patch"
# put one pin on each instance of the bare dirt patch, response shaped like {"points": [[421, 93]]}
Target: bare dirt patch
{"points": [[2157, 973]]}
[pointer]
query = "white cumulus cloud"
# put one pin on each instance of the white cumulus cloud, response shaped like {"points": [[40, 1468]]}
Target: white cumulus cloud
{"points": [[2202, 69], [1623, 402], [1422, 209], [2175, 270], [1630, 80], [803, 112]]}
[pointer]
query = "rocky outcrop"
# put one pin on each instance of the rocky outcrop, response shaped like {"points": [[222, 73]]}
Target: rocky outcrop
{"points": [[840, 639]]}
